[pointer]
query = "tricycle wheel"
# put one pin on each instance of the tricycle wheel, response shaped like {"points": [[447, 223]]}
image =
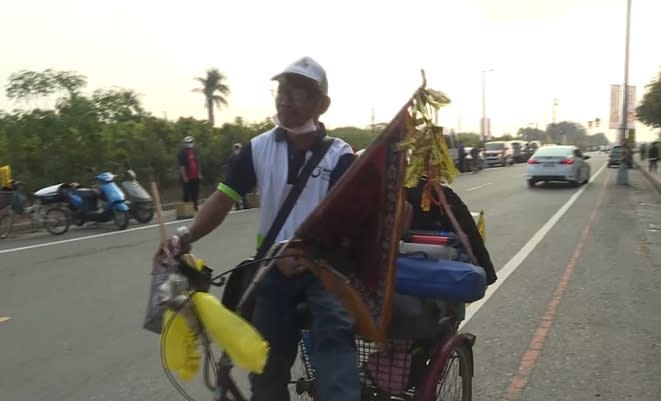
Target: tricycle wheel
{"points": [[454, 382], [302, 384]]}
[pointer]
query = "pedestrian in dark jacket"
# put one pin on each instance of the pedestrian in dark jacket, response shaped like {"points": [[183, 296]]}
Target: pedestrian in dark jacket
{"points": [[653, 156]]}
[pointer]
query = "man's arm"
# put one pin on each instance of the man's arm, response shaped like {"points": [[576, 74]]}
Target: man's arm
{"points": [[212, 213], [343, 164]]}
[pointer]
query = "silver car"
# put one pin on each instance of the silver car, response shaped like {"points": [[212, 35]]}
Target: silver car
{"points": [[558, 163], [498, 152]]}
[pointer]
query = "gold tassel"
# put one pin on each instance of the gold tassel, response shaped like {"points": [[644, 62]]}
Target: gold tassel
{"points": [[482, 226]]}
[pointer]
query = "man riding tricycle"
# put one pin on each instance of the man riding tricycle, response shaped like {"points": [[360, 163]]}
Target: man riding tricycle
{"points": [[331, 285]]}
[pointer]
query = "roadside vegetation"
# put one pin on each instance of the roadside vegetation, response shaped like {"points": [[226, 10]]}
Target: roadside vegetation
{"points": [[58, 128]]}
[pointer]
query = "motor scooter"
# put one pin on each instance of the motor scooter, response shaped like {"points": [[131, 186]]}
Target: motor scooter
{"points": [[104, 202], [141, 204]]}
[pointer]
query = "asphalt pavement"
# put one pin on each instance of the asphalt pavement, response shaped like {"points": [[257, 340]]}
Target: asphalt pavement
{"points": [[574, 315]]}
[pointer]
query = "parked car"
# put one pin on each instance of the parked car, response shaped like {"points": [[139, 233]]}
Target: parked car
{"points": [[615, 156], [518, 151], [498, 153], [564, 163]]}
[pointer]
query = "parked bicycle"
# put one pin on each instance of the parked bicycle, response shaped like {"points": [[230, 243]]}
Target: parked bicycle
{"points": [[40, 214]]}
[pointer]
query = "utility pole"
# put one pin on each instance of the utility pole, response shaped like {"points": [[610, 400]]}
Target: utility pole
{"points": [[556, 102], [459, 121], [373, 122], [484, 125], [623, 172]]}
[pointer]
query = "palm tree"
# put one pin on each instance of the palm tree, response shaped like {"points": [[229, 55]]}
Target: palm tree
{"points": [[131, 101], [214, 89]]}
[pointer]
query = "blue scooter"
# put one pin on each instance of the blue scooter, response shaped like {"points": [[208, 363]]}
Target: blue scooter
{"points": [[104, 202]]}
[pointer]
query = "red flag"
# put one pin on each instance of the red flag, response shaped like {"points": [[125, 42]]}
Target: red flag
{"points": [[354, 233]]}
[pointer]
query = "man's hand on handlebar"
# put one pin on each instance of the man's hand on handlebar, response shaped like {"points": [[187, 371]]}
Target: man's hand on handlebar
{"points": [[295, 264], [177, 246]]}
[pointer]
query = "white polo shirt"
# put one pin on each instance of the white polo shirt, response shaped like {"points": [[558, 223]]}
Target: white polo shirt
{"points": [[270, 157]]}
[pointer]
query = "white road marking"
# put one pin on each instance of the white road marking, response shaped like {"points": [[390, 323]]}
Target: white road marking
{"points": [[477, 187], [94, 236], [471, 310], [524, 252]]}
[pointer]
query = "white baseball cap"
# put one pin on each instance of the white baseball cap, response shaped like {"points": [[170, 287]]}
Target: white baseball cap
{"points": [[308, 68]]}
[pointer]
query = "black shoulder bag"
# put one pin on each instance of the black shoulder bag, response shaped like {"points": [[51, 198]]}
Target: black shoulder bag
{"points": [[243, 275]]}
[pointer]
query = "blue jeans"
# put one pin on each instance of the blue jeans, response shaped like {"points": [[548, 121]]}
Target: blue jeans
{"points": [[333, 345]]}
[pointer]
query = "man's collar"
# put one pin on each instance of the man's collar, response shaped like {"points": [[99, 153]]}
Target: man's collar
{"points": [[281, 133]]}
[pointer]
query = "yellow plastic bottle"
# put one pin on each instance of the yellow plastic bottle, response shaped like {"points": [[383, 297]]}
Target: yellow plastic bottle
{"points": [[242, 341], [181, 346]]}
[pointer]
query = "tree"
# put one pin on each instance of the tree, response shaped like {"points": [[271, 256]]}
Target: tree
{"points": [[598, 139], [531, 134], [573, 133], [215, 91], [117, 104], [25, 85], [469, 139], [649, 110], [356, 137]]}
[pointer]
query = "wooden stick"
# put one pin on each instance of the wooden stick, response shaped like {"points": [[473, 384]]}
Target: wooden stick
{"points": [[453, 220], [161, 225], [159, 216]]}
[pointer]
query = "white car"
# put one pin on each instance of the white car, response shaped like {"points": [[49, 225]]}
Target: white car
{"points": [[558, 163]]}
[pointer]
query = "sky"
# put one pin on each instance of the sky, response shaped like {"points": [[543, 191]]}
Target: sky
{"points": [[537, 51]]}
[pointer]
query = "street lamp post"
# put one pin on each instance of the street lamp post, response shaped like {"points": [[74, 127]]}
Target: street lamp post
{"points": [[623, 172], [483, 124], [556, 102]]}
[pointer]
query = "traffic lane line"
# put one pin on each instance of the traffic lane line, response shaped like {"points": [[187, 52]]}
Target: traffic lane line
{"points": [[525, 251], [95, 236], [530, 358], [478, 187]]}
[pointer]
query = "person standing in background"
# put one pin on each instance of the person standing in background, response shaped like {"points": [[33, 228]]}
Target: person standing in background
{"points": [[189, 171], [653, 156], [462, 157]]}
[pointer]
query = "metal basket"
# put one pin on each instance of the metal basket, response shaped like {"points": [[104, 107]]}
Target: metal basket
{"points": [[383, 372], [386, 370]]}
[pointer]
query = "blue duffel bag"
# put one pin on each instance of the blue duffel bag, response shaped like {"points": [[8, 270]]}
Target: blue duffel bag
{"points": [[447, 280]]}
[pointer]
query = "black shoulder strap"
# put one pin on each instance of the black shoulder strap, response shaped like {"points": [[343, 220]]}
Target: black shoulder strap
{"points": [[317, 154]]}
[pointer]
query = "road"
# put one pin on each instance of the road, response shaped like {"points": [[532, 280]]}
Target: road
{"points": [[574, 315]]}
